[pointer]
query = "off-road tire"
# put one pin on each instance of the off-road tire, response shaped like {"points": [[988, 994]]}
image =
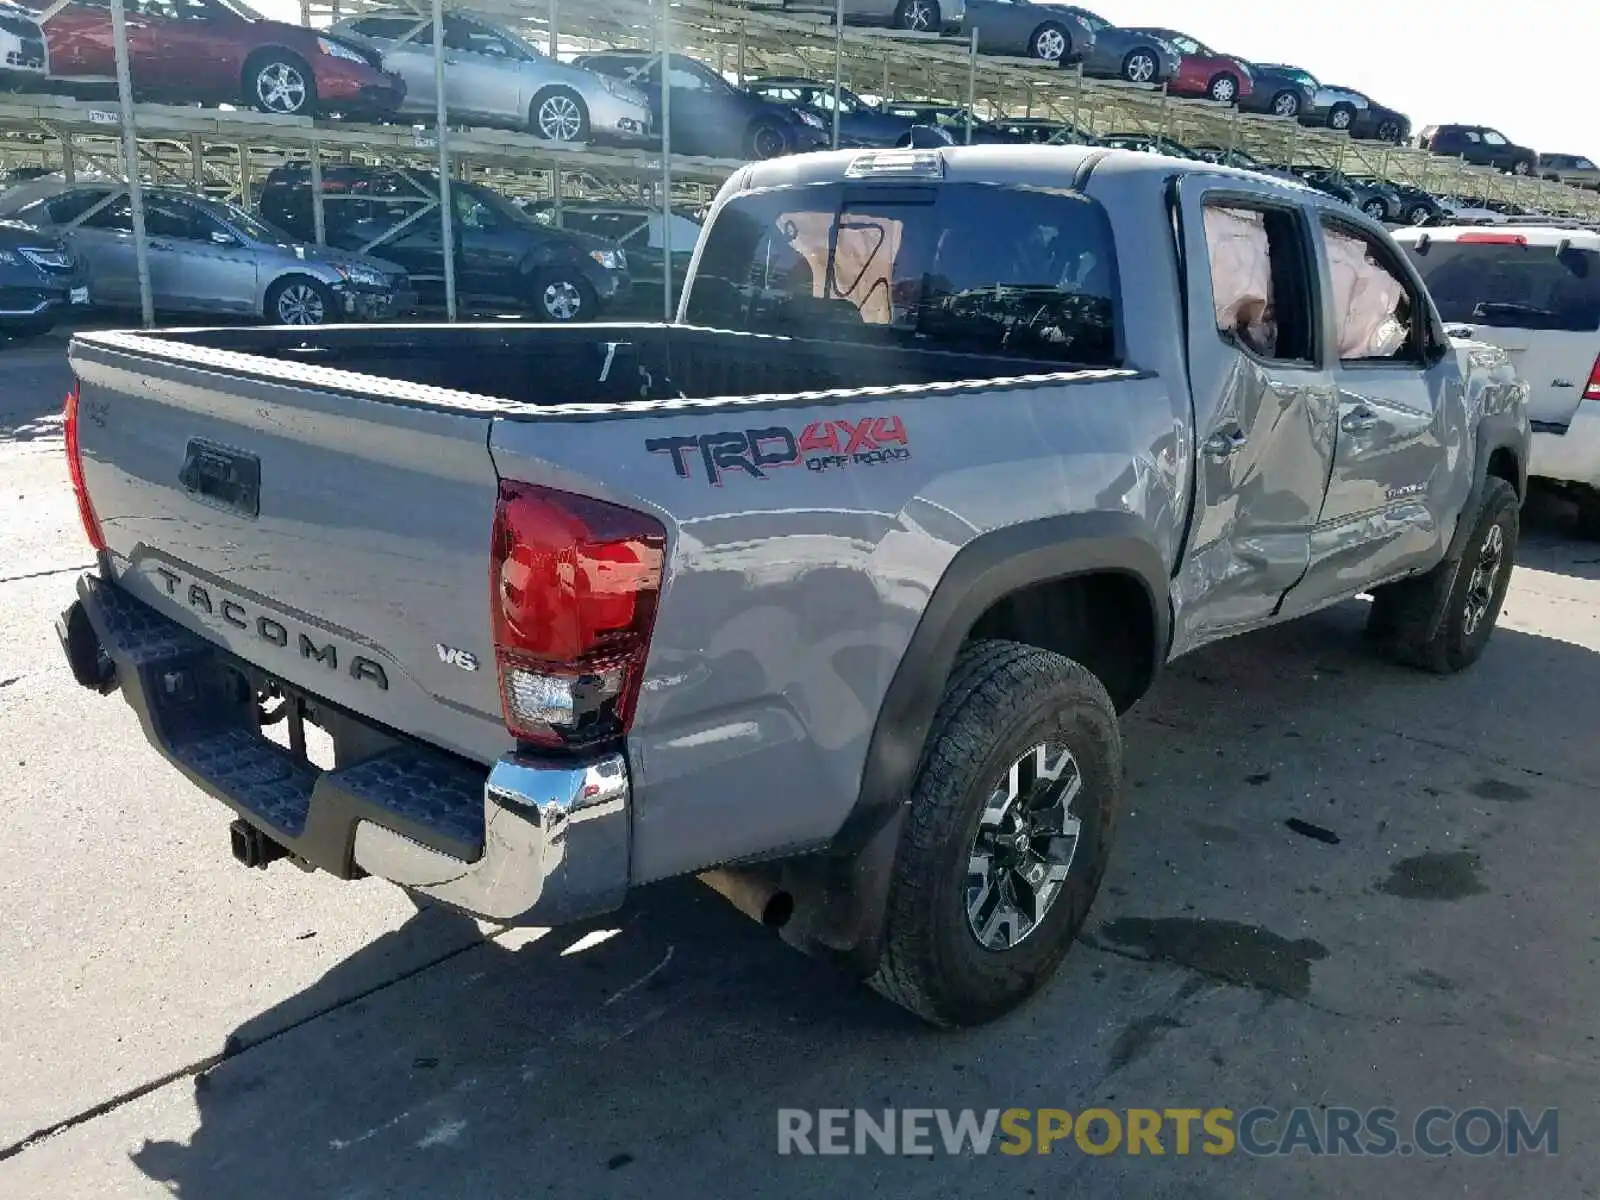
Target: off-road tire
{"points": [[1402, 618], [1002, 698]]}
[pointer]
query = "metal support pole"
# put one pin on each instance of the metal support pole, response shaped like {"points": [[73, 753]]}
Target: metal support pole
{"points": [[69, 159], [1233, 130], [245, 197], [744, 39], [305, 13], [1077, 98], [555, 197], [319, 221], [197, 163], [130, 161], [884, 98], [555, 28], [838, 63], [1028, 111], [441, 118], [667, 307], [972, 79]]}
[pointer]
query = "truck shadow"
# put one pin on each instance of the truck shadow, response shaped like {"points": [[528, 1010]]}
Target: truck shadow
{"points": [[650, 1051]]}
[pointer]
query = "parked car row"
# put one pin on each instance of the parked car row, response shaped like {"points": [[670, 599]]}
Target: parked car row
{"points": [[381, 64], [65, 245]]}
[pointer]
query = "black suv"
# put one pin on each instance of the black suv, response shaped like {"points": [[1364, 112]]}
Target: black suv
{"points": [[1481, 145], [504, 257]]}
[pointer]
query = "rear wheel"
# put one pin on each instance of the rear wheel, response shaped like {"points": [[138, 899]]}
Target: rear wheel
{"points": [[564, 297], [1419, 214], [1286, 104], [1007, 839], [1050, 43], [277, 82], [1140, 67], [300, 301], [1341, 117], [1376, 209], [1522, 167], [1464, 593], [560, 115], [919, 16], [1389, 131], [766, 139], [1224, 89]]}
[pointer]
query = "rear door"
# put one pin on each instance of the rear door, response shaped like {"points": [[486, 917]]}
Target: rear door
{"points": [[1264, 403], [1402, 420], [1529, 294]]}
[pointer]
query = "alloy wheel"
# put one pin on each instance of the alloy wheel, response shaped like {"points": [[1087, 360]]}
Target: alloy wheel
{"points": [[281, 88], [919, 16], [1022, 852], [1376, 209], [299, 304], [562, 300], [1484, 580], [1050, 45], [1286, 105], [1341, 119], [560, 119], [768, 142], [1141, 68]]}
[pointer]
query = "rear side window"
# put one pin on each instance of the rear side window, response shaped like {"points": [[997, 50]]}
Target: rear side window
{"points": [[1511, 284], [966, 267], [1258, 281], [1373, 312]]}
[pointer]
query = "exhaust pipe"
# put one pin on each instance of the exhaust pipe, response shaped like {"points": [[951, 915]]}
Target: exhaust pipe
{"points": [[755, 896], [251, 847]]}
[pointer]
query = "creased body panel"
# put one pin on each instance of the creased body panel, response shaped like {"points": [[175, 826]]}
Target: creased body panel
{"points": [[367, 547], [805, 541]]}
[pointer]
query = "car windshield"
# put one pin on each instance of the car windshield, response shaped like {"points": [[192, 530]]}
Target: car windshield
{"points": [[1504, 282], [972, 268]]}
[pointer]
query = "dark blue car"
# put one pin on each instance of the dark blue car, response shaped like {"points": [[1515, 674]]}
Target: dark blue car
{"points": [[860, 124], [40, 280]]}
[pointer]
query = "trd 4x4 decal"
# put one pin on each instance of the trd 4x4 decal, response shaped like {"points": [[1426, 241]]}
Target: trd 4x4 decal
{"points": [[820, 446]]}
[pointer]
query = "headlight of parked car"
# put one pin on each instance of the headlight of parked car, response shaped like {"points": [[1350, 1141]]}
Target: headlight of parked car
{"points": [[363, 276], [810, 118], [43, 256], [10, 258], [339, 50], [611, 260]]}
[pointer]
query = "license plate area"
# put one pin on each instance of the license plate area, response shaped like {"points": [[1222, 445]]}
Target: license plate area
{"points": [[222, 477], [78, 295]]}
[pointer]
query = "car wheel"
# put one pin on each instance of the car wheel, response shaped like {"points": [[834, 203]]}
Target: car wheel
{"points": [[1007, 837], [1341, 117], [280, 83], [564, 297], [1441, 621], [1140, 67], [1376, 209], [1418, 214], [560, 115], [1389, 131], [1286, 104], [919, 16], [766, 139], [1051, 44], [1224, 89], [300, 301], [1522, 167]]}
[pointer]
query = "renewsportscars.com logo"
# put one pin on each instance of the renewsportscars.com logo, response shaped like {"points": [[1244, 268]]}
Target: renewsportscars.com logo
{"points": [[1258, 1132]]}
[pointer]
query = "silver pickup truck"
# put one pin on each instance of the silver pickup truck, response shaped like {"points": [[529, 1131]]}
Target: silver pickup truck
{"points": [[829, 593]]}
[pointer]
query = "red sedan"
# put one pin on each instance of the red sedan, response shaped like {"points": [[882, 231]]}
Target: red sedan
{"points": [[220, 52], [1203, 72]]}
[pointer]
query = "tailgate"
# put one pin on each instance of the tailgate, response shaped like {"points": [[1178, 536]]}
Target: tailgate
{"points": [[337, 541], [1555, 364]]}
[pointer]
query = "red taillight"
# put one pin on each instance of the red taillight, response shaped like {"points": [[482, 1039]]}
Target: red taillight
{"points": [[1592, 390], [573, 589], [1491, 239], [91, 523]]}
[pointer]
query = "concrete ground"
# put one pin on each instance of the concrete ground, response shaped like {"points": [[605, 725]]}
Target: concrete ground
{"points": [[172, 1023]]}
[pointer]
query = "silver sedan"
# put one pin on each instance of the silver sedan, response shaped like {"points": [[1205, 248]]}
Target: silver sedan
{"points": [[206, 256], [494, 77]]}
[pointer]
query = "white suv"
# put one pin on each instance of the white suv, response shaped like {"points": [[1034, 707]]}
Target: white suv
{"points": [[24, 60], [1534, 291]]}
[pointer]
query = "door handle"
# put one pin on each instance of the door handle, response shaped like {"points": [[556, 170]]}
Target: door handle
{"points": [[1359, 420], [1226, 442], [1562, 383]]}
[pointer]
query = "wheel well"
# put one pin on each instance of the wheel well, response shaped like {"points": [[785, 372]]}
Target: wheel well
{"points": [[269, 52], [1503, 465], [1103, 621], [283, 281]]}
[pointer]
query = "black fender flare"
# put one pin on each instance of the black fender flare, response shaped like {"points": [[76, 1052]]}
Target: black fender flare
{"points": [[841, 892], [1496, 431]]}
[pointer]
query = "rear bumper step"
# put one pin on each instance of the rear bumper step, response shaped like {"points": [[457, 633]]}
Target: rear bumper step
{"points": [[530, 841]]}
